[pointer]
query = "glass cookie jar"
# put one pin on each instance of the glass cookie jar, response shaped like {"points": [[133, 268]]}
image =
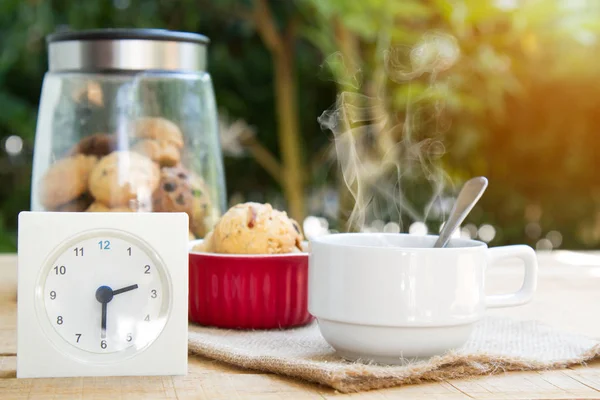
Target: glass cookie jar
{"points": [[128, 123]]}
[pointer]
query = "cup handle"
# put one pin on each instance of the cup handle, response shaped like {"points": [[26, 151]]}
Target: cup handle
{"points": [[525, 294]]}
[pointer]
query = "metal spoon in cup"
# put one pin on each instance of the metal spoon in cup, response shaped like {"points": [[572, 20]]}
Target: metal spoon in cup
{"points": [[467, 198]]}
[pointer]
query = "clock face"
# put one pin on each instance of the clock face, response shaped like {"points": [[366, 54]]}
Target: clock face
{"points": [[104, 293]]}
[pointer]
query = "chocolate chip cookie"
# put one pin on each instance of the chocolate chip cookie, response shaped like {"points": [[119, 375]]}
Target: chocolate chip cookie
{"points": [[66, 180], [123, 176], [174, 193]]}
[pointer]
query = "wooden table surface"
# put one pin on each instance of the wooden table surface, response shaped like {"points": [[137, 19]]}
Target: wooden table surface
{"points": [[568, 297]]}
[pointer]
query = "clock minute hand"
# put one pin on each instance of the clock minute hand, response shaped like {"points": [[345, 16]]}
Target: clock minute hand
{"points": [[125, 289], [103, 331], [104, 295]]}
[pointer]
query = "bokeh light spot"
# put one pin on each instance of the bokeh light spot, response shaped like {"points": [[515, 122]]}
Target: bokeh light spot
{"points": [[465, 233], [487, 233], [391, 227], [543, 244], [417, 228], [555, 237], [506, 4], [377, 225], [533, 213], [472, 228], [13, 145], [533, 230]]}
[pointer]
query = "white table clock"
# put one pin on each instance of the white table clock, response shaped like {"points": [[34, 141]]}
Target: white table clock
{"points": [[102, 294]]}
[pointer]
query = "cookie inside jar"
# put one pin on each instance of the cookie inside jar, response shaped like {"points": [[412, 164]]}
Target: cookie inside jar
{"points": [[143, 172]]}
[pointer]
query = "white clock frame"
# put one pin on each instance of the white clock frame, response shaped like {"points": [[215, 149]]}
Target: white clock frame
{"points": [[42, 235]]}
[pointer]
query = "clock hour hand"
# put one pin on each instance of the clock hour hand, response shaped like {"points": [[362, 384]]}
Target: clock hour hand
{"points": [[125, 289]]}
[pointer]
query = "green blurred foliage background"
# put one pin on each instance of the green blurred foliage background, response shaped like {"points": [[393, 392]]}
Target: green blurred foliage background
{"points": [[518, 105]]}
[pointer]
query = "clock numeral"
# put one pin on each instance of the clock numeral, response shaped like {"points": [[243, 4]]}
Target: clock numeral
{"points": [[78, 336], [153, 293], [103, 344], [147, 317], [59, 320], [147, 269], [129, 250], [78, 251], [104, 245], [60, 270], [129, 337], [52, 295]]}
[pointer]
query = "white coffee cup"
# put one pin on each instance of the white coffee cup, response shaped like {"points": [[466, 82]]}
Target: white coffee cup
{"points": [[387, 297]]}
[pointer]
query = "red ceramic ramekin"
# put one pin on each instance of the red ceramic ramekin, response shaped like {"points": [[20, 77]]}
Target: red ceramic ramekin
{"points": [[248, 291]]}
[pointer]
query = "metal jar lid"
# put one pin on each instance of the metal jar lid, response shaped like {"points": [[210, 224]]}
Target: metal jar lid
{"points": [[126, 50]]}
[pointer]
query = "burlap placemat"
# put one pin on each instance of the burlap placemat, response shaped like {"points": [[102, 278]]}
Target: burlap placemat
{"points": [[495, 345]]}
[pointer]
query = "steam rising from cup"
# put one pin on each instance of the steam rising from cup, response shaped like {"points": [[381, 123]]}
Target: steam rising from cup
{"points": [[385, 143]]}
